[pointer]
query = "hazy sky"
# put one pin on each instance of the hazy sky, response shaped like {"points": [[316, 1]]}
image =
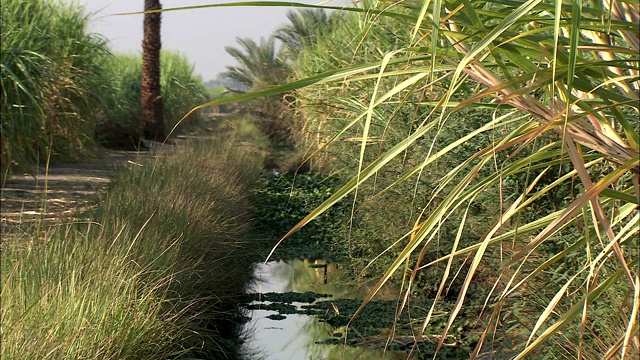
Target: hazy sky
{"points": [[200, 34]]}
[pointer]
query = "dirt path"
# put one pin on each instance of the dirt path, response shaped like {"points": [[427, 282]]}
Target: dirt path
{"points": [[66, 188], [61, 190]]}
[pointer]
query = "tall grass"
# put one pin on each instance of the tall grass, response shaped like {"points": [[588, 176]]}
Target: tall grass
{"points": [[59, 83], [547, 115], [181, 90], [563, 78], [52, 77], [75, 292], [155, 273]]}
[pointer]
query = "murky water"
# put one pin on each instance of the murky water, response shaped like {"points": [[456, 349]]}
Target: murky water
{"points": [[296, 336]]}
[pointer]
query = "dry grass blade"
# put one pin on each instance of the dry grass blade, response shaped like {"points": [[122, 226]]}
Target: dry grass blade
{"points": [[576, 205], [632, 327], [572, 313], [562, 80]]}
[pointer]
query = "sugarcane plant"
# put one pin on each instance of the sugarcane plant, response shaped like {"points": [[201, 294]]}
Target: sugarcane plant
{"points": [[562, 77]]}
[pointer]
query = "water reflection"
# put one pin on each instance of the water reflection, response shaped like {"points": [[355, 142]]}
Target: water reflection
{"points": [[301, 276], [297, 335]]}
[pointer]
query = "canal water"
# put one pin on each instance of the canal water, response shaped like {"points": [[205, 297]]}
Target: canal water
{"points": [[297, 335]]}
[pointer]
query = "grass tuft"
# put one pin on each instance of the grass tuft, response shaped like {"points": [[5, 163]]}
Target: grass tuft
{"points": [[156, 273]]}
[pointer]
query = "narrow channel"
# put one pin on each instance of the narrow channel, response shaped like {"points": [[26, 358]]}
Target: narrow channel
{"points": [[269, 336]]}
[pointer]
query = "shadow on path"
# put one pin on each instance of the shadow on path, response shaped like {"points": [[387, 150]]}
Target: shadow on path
{"points": [[60, 191]]}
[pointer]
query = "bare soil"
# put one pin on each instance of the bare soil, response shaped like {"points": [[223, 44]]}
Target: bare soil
{"points": [[60, 190], [63, 190]]}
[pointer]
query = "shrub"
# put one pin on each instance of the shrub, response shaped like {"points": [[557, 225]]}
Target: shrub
{"points": [[284, 199], [52, 80]]}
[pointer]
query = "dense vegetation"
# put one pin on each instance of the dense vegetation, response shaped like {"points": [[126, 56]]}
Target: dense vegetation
{"points": [[156, 268], [493, 157], [483, 156], [156, 273], [119, 123], [52, 74], [283, 200], [62, 89]]}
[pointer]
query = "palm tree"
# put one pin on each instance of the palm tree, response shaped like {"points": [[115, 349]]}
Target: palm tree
{"points": [[259, 65], [305, 27], [151, 100]]}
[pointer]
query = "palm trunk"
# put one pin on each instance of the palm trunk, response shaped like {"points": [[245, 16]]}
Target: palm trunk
{"points": [[152, 119]]}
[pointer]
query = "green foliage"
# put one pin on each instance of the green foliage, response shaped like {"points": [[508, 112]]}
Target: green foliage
{"points": [[125, 72], [73, 293], [305, 28], [224, 82], [156, 272], [499, 187], [283, 200], [259, 64], [217, 93], [562, 88], [52, 79], [60, 86], [181, 90]]}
